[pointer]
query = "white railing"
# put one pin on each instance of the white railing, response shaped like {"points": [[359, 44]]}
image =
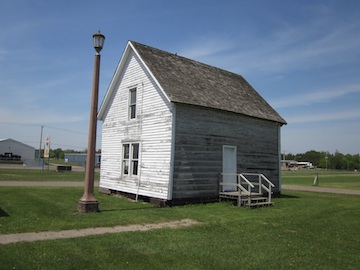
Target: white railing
{"points": [[267, 186], [246, 187]]}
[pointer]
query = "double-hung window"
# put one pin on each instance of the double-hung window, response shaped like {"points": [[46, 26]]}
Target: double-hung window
{"points": [[130, 159], [132, 103]]}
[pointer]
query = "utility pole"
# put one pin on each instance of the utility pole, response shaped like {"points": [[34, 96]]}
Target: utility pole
{"points": [[41, 134]]}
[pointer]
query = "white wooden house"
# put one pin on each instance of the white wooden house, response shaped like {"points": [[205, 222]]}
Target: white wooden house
{"points": [[171, 125]]}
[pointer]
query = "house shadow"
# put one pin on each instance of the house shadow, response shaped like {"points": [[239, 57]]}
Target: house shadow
{"points": [[3, 213], [285, 196], [126, 209]]}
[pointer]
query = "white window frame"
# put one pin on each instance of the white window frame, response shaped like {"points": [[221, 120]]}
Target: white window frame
{"points": [[132, 104], [130, 159]]}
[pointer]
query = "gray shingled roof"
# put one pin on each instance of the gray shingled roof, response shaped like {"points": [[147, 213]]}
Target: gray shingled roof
{"points": [[191, 82]]}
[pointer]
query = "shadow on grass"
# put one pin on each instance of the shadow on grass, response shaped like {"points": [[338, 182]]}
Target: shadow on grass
{"points": [[285, 196], [127, 209], [3, 213]]}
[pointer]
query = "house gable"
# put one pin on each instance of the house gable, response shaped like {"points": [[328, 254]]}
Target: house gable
{"points": [[151, 129], [118, 76]]}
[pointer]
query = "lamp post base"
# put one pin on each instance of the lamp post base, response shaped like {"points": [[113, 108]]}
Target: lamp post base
{"points": [[88, 206]]}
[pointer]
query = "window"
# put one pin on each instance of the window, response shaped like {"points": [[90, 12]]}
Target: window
{"points": [[135, 158], [126, 159], [130, 159], [132, 103]]}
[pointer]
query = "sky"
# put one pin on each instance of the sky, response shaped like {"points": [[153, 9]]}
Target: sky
{"points": [[303, 57]]}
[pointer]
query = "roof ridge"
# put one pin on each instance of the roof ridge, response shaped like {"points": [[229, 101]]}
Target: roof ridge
{"points": [[186, 58]]}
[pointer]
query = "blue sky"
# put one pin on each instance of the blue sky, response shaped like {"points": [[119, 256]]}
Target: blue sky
{"points": [[303, 57]]}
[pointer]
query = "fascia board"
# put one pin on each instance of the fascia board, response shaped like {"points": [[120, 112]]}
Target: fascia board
{"points": [[148, 70]]}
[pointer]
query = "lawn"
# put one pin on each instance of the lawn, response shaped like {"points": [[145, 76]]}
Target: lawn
{"points": [[303, 230], [328, 179]]}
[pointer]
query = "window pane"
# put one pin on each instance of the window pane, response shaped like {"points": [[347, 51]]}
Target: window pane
{"points": [[132, 103], [135, 167], [126, 151], [132, 111], [135, 151], [133, 96], [126, 167]]}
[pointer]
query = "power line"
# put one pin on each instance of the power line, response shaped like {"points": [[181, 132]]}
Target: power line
{"points": [[19, 124], [46, 126], [66, 130]]}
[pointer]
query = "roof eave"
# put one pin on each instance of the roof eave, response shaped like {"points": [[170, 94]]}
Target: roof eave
{"points": [[129, 47]]}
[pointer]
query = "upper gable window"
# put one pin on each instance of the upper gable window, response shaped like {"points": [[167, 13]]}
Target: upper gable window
{"points": [[132, 103]]}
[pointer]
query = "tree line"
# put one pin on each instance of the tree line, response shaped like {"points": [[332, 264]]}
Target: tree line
{"points": [[59, 153], [326, 160]]}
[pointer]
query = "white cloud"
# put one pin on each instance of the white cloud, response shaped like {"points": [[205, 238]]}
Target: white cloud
{"points": [[205, 47], [301, 47], [315, 97], [12, 116], [323, 117]]}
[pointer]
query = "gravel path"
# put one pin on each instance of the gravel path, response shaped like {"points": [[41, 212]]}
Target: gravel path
{"points": [[321, 189], [50, 235]]}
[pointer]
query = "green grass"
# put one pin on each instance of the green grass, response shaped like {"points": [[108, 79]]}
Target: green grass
{"points": [[328, 179], [39, 175], [303, 230]]}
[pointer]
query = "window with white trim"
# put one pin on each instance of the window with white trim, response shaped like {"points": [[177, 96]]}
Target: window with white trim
{"points": [[130, 160], [132, 103]]}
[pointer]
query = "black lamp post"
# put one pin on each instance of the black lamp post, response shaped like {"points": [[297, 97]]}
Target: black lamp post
{"points": [[88, 203]]}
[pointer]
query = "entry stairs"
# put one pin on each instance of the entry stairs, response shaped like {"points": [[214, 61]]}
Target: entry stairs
{"points": [[248, 189]]}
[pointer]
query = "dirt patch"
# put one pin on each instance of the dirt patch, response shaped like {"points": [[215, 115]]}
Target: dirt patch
{"points": [[50, 235]]}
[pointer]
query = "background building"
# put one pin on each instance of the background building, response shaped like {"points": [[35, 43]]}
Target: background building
{"points": [[80, 158], [14, 151]]}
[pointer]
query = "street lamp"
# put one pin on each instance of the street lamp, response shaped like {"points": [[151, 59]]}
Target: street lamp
{"points": [[88, 203]]}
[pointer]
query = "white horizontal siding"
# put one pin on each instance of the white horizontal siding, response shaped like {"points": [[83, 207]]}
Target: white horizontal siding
{"points": [[152, 129]]}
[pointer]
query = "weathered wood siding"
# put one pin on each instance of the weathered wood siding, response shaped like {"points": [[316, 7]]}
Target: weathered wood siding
{"points": [[152, 129], [200, 135]]}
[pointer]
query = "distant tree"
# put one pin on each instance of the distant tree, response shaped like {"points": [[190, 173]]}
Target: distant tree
{"points": [[55, 153], [336, 161], [312, 156], [350, 162], [356, 161]]}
